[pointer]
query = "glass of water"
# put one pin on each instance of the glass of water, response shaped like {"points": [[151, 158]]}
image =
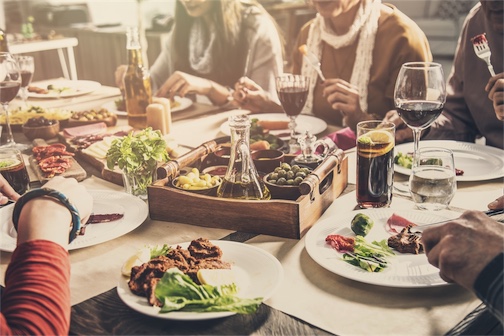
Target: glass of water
{"points": [[432, 181]]}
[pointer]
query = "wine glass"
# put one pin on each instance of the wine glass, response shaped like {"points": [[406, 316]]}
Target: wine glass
{"points": [[10, 82], [292, 91], [27, 67], [419, 96]]}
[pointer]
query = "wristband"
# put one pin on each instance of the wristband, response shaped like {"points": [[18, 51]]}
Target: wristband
{"points": [[40, 192]]}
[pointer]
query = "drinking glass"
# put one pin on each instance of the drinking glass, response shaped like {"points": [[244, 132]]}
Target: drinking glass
{"points": [[419, 96], [26, 67], [13, 169], [375, 163], [433, 180], [292, 91], [10, 82]]}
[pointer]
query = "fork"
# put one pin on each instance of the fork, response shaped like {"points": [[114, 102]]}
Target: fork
{"points": [[482, 50], [312, 59]]}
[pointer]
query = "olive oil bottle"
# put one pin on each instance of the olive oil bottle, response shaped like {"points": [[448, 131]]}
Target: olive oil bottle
{"points": [[137, 84], [242, 180]]}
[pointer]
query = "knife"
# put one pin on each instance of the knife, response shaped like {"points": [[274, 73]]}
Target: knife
{"points": [[421, 228]]}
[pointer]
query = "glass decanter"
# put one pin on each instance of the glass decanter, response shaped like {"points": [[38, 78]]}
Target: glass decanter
{"points": [[309, 145], [242, 180]]}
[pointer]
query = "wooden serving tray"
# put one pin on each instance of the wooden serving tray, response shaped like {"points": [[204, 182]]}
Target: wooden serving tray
{"points": [[283, 218]]}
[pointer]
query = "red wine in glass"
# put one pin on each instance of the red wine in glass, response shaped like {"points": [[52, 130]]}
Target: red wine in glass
{"points": [[26, 77], [419, 113], [293, 99], [8, 91]]}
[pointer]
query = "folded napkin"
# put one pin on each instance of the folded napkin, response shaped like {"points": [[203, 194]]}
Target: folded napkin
{"points": [[344, 138]]}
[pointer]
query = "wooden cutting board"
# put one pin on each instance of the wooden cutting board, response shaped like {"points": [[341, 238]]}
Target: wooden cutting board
{"points": [[76, 171]]}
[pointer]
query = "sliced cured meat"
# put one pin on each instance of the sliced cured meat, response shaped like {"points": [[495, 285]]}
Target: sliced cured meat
{"points": [[341, 243], [396, 223]]}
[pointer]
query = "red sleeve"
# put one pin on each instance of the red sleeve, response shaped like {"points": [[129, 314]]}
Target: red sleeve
{"points": [[36, 299]]}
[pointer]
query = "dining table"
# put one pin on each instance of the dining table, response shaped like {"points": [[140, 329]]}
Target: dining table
{"points": [[308, 300]]}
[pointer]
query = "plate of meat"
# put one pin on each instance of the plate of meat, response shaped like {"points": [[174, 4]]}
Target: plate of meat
{"points": [[258, 274], [405, 269], [473, 162], [115, 214]]}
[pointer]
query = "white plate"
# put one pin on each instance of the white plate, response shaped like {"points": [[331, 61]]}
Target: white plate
{"points": [[77, 88], [184, 103], [134, 209], [258, 274], [478, 162], [304, 123], [404, 270]]}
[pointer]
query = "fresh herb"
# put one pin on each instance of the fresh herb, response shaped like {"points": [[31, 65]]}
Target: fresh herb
{"points": [[369, 256], [156, 251], [138, 154], [177, 291]]}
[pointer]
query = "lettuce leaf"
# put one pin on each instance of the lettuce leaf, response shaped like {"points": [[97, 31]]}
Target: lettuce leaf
{"points": [[178, 291]]}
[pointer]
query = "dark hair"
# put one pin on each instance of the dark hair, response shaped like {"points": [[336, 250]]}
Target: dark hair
{"points": [[231, 44]]}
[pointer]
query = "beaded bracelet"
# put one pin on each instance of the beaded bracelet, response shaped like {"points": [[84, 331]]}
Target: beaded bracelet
{"points": [[34, 193]]}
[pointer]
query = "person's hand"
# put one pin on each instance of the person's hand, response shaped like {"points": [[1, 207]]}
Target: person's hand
{"points": [[7, 192], [181, 83], [462, 247], [344, 97], [497, 204], [250, 96], [495, 89], [402, 133], [46, 218], [119, 74]]}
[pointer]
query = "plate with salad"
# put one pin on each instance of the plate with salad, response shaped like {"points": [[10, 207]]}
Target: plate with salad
{"points": [[256, 276], [473, 162], [404, 270]]}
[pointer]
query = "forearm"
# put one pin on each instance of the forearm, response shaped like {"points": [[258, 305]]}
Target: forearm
{"points": [[489, 286], [36, 299]]}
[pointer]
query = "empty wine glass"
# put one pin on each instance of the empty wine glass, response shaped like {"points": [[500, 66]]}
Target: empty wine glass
{"points": [[419, 96], [26, 67], [10, 82], [292, 91]]}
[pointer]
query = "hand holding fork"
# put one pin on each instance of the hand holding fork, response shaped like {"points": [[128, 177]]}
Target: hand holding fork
{"points": [[482, 50]]}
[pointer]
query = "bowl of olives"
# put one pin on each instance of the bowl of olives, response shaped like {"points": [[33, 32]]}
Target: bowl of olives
{"points": [[196, 182], [284, 181], [41, 127]]}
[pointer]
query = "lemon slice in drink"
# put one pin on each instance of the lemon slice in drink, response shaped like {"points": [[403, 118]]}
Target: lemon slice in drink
{"points": [[375, 143], [137, 259], [216, 277]]}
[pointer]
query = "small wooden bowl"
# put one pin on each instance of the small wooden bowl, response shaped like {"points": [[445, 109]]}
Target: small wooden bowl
{"points": [[286, 192], [43, 132]]}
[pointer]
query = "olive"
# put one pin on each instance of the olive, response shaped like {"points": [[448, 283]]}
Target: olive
{"points": [[290, 175], [298, 180], [273, 176], [285, 166], [281, 173], [300, 174], [281, 181]]}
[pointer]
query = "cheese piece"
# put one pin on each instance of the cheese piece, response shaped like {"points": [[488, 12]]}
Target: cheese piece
{"points": [[167, 109]]}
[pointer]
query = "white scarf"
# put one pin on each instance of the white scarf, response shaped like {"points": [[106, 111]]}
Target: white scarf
{"points": [[200, 47], [366, 22]]}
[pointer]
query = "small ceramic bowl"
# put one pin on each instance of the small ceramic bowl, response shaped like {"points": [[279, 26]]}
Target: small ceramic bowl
{"points": [[45, 132], [266, 160], [212, 191]]}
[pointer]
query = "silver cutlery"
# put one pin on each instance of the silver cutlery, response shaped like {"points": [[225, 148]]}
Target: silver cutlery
{"points": [[482, 50], [421, 228], [312, 59]]}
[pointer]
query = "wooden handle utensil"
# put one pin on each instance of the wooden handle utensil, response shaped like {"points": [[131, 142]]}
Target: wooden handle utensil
{"points": [[333, 158]]}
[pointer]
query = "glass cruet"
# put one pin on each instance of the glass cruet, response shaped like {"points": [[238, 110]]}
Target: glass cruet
{"points": [[242, 180], [309, 144]]}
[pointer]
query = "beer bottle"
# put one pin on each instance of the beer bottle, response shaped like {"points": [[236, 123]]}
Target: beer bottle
{"points": [[4, 46], [137, 85]]}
